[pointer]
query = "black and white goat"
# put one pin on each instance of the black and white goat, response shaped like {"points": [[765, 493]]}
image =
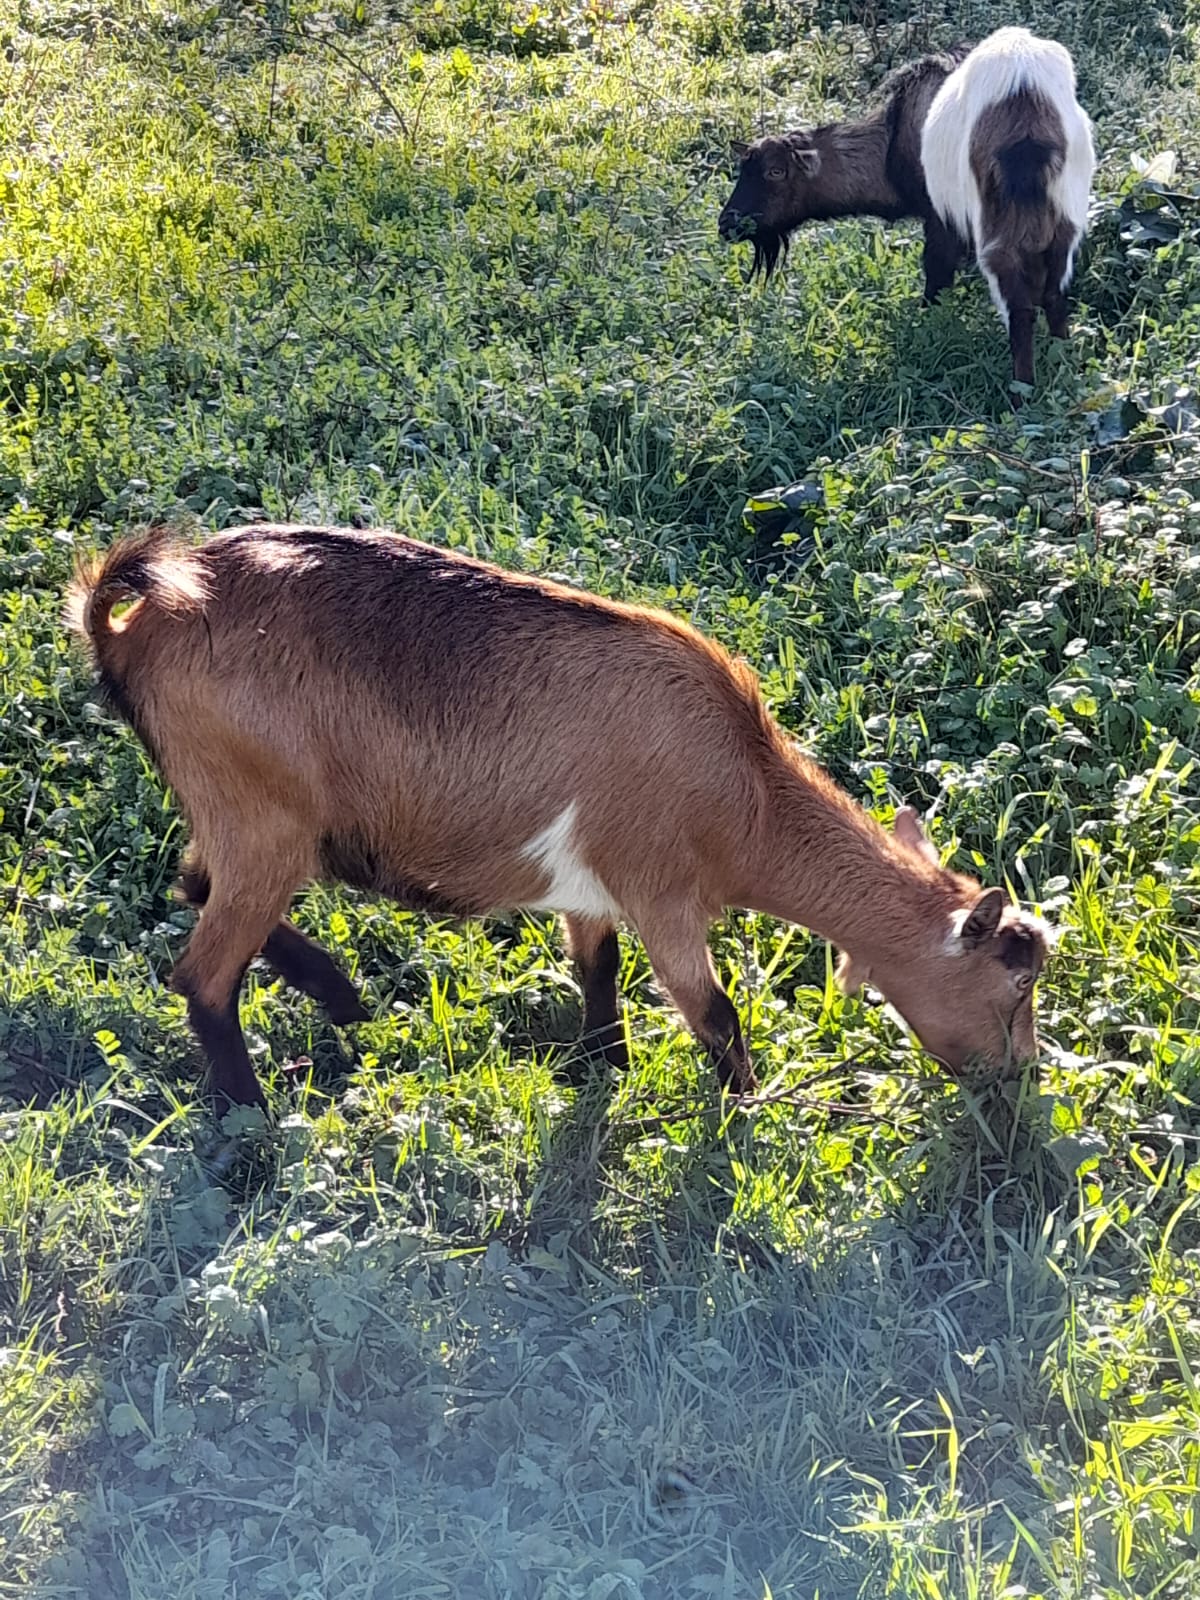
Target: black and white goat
{"points": [[1008, 160], [988, 148]]}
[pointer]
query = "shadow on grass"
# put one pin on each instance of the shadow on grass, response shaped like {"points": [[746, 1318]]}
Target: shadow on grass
{"points": [[715, 1408], [723, 1346], [952, 1295]]}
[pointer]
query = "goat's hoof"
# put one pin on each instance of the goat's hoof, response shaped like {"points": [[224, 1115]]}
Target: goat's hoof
{"points": [[589, 1066], [602, 1052], [231, 1154], [576, 1067], [346, 1009], [740, 1090]]}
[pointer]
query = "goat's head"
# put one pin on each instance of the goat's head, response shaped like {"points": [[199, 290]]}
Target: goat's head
{"points": [[772, 196], [965, 986]]}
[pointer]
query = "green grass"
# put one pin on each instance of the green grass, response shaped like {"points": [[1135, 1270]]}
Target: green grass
{"points": [[449, 1329]]}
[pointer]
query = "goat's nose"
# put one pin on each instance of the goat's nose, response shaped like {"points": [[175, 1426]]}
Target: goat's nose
{"points": [[728, 222]]}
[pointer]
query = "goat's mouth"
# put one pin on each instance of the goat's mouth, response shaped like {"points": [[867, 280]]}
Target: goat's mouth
{"points": [[735, 228], [770, 244], [978, 1071]]}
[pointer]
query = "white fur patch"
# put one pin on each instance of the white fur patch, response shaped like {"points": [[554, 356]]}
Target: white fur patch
{"points": [[1072, 189], [953, 944], [1069, 271], [993, 284], [1007, 61], [1048, 932], [573, 886]]}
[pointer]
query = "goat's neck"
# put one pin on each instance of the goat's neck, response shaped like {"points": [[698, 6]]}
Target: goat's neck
{"points": [[854, 172], [824, 863]]}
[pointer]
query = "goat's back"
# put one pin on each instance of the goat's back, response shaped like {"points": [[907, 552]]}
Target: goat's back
{"points": [[908, 93], [1012, 59], [1006, 131], [427, 716]]}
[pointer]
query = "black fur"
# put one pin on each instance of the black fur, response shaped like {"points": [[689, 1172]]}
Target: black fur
{"points": [[769, 249], [1025, 169], [350, 859]]}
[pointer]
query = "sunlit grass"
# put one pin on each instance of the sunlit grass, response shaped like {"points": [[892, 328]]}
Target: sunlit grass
{"points": [[448, 1326]]}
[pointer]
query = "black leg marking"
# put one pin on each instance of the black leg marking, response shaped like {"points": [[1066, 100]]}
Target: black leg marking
{"points": [[721, 1032], [940, 258], [306, 966], [231, 1077], [602, 1031]]}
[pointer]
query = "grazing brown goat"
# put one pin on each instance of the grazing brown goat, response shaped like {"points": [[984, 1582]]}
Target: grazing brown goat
{"points": [[845, 169], [358, 706]]}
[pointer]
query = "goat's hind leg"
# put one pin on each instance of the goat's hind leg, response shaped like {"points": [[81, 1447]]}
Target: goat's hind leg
{"points": [[242, 907], [307, 966], [299, 961], [1055, 304]]}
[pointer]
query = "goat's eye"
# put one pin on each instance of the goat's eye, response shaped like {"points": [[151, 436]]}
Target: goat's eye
{"points": [[776, 172], [1023, 982]]}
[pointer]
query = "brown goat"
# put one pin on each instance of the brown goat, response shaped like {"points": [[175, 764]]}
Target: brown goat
{"points": [[358, 706], [845, 169]]}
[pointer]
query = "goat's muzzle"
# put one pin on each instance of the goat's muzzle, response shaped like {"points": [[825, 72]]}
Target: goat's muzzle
{"points": [[733, 227]]}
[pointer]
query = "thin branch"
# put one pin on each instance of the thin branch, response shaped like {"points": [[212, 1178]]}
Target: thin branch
{"points": [[364, 72]]}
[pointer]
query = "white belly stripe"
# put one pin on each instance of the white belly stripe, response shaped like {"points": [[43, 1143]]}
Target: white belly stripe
{"points": [[573, 886]]}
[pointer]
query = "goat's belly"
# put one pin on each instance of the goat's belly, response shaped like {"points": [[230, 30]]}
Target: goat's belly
{"points": [[350, 855], [465, 872]]}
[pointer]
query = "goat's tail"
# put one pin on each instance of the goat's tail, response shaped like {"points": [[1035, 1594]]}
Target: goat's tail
{"points": [[1023, 170], [145, 569]]}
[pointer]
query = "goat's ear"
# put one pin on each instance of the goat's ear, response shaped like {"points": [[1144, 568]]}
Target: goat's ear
{"points": [[851, 974], [739, 149], [907, 828], [984, 916], [806, 158]]}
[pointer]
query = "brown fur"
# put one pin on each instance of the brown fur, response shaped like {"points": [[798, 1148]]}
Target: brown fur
{"points": [[870, 167], [1023, 120], [330, 702], [1029, 244]]}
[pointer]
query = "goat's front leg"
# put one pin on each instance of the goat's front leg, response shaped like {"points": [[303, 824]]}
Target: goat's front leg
{"points": [[1017, 303], [940, 258], [597, 956], [677, 945]]}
